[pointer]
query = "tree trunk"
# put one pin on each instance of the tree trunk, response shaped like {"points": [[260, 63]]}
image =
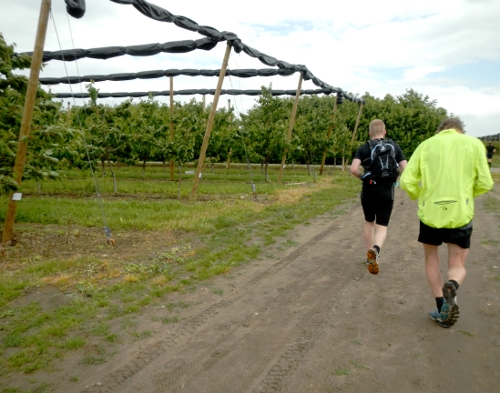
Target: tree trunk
{"points": [[228, 164], [179, 183], [266, 172], [115, 187]]}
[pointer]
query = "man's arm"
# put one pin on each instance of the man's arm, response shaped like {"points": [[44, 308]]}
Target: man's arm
{"points": [[401, 159], [484, 182], [411, 176], [355, 168], [402, 166]]}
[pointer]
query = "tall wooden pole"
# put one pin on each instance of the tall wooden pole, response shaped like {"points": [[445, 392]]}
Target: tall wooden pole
{"points": [[171, 123], [330, 130], [357, 124], [29, 104], [229, 120], [211, 118], [292, 123]]}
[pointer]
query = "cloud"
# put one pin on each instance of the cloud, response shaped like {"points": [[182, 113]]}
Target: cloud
{"points": [[448, 49]]}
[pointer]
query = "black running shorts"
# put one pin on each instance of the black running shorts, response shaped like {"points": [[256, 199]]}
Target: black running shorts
{"points": [[377, 209], [437, 236]]}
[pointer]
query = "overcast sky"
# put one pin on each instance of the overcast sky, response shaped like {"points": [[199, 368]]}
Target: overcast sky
{"points": [[448, 50]]}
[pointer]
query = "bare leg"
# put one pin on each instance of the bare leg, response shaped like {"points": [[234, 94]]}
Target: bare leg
{"points": [[368, 234], [374, 234], [456, 262], [380, 235], [432, 270]]}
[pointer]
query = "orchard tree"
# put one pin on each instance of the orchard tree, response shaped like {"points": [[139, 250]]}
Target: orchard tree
{"points": [[149, 126], [309, 137], [266, 125], [190, 121], [107, 137], [410, 118], [221, 140], [50, 137]]}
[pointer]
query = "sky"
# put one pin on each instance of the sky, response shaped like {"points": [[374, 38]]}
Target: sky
{"points": [[448, 50]]}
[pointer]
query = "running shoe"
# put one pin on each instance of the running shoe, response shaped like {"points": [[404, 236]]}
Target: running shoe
{"points": [[436, 317], [372, 261], [449, 311]]}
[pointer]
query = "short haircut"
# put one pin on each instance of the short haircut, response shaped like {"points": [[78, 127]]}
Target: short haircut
{"points": [[377, 127], [451, 123]]}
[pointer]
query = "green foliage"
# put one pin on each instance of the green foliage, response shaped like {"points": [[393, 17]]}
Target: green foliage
{"points": [[134, 132], [410, 118], [264, 128], [51, 143], [309, 137]]}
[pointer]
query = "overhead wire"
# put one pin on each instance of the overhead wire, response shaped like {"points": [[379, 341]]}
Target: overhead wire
{"points": [[107, 229], [254, 187]]}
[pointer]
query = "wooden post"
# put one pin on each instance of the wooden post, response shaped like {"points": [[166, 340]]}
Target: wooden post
{"points": [[292, 122], [171, 123], [330, 130], [229, 120], [357, 124], [211, 118], [29, 104]]}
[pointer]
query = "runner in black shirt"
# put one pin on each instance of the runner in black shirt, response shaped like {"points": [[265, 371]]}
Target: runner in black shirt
{"points": [[490, 150], [377, 196]]}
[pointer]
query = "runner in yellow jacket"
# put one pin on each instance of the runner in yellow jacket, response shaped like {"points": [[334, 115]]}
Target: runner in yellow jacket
{"points": [[445, 173]]}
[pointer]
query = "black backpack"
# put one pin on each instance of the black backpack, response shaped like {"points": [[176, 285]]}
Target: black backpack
{"points": [[382, 161]]}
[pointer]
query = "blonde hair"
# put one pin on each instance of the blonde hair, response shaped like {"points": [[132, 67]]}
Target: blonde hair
{"points": [[377, 127]]}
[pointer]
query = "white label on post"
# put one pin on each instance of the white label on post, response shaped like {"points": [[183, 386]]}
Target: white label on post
{"points": [[17, 196]]}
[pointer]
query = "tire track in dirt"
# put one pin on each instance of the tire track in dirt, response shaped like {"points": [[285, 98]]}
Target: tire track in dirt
{"points": [[301, 333], [317, 321], [381, 339], [150, 354]]}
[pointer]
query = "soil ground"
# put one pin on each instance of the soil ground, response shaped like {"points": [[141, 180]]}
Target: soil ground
{"points": [[312, 319]]}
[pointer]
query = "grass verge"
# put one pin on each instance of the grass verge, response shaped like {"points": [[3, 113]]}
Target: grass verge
{"points": [[61, 289]]}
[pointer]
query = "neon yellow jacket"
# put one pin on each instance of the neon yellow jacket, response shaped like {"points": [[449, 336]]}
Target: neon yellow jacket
{"points": [[445, 173]]}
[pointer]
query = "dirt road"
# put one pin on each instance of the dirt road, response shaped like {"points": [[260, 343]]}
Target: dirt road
{"points": [[312, 319]]}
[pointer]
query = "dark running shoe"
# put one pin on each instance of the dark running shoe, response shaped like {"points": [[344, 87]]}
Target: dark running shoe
{"points": [[449, 311], [372, 258]]}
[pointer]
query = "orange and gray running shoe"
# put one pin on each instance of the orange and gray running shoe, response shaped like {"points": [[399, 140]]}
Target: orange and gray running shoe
{"points": [[372, 261]]}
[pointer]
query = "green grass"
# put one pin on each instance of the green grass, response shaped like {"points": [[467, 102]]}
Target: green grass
{"points": [[221, 231], [491, 242], [342, 372]]}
